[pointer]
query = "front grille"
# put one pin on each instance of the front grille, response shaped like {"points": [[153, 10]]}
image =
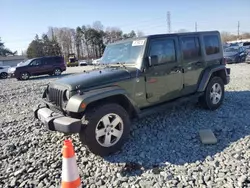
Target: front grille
{"points": [[56, 96]]}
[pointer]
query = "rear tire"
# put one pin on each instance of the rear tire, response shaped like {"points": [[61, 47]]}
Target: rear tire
{"points": [[57, 72], [214, 94], [106, 129], [4, 75]]}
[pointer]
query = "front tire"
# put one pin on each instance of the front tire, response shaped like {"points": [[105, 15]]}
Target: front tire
{"points": [[214, 94], [107, 128], [24, 76]]}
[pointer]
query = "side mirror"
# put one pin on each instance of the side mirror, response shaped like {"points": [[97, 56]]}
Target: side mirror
{"points": [[152, 60]]}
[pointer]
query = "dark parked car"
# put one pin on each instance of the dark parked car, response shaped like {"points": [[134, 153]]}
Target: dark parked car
{"points": [[140, 76], [248, 53], [235, 54], [53, 65]]}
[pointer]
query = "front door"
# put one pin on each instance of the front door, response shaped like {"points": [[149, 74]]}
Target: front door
{"points": [[192, 62], [35, 67], [164, 81]]}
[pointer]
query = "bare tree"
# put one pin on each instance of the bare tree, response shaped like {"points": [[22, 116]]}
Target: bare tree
{"points": [[140, 34], [97, 25]]}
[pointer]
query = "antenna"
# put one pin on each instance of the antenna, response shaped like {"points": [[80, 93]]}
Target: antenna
{"points": [[238, 29], [169, 21]]}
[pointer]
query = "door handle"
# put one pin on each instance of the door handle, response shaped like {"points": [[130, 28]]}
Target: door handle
{"points": [[198, 63], [176, 69]]}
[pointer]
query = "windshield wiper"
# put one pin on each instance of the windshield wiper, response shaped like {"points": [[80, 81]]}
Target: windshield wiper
{"points": [[122, 64]]}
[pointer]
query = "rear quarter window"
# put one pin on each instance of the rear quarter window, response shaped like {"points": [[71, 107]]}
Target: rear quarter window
{"points": [[57, 60], [212, 44]]}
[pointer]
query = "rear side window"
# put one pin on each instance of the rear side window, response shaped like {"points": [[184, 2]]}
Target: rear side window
{"points": [[57, 60], [190, 48], [53, 60], [212, 44], [164, 49]]}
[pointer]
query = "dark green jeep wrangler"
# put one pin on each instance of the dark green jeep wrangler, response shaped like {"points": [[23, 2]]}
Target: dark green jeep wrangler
{"points": [[136, 77]]}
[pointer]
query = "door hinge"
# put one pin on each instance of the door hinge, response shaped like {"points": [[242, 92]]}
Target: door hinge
{"points": [[149, 95]]}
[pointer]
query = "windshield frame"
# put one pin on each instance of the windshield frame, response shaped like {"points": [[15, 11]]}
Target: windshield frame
{"points": [[27, 62], [140, 55]]}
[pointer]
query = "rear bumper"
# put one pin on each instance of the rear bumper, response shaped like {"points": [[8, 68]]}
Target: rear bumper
{"points": [[55, 121]]}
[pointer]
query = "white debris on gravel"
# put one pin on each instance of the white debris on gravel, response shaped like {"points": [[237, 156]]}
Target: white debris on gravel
{"points": [[163, 150]]}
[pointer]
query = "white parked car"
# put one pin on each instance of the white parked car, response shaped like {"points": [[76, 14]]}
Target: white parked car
{"points": [[83, 63], [4, 71], [96, 61]]}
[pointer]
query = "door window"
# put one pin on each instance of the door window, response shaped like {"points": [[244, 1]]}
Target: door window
{"points": [[164, 49], [190, 48], [36, 62]]}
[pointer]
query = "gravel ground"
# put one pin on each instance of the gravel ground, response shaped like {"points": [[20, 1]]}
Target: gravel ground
{"points": [[164, 150]]}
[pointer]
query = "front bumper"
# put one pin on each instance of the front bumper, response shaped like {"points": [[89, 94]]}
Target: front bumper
{"points": [[11, 75], [231, 60], [55, 121]]}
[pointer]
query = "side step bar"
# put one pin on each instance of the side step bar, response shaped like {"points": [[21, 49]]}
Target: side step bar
{"points": [[159, 108]]}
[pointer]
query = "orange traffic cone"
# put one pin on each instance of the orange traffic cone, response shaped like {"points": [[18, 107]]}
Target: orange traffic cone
{"points": [[70, 174]]}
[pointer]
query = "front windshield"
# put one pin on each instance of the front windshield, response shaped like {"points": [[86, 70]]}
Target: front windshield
{"points": [[126, 52], [26, 62], [231, 50]]}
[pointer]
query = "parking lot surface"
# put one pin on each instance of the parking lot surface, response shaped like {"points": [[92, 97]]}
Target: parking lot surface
{"points": [[163, 150]]}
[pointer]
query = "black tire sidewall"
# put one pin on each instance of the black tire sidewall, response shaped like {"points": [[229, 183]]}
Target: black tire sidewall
{"points": [[2, 75], [208, 102], [55, 71], [22, 75], [87, 135]]}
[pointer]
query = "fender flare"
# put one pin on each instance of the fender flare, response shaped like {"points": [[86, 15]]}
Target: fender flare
{"points": [[75, 102], [207, 75]]}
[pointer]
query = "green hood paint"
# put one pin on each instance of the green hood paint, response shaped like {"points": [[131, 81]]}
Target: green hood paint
{"points": [[92, 78]]}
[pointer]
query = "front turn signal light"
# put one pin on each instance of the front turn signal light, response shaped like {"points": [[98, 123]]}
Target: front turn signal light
{"points": [[83, 105]]}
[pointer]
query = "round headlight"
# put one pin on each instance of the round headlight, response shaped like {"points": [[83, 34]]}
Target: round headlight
{"points": [[67, 94]]}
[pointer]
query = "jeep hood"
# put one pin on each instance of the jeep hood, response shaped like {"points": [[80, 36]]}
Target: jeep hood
{"points": [[92, 79]]}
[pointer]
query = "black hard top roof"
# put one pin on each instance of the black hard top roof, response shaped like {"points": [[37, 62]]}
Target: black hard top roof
{"points": [[166, 35]]}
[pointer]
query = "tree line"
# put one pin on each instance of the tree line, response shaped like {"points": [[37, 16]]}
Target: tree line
{"points": [[87, 41], [5, 51], [226, 36]]}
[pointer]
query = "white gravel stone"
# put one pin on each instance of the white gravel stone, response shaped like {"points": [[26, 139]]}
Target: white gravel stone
{"points": [[30, 155]]}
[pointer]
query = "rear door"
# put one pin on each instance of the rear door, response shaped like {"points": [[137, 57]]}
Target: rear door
{"points": [[48, 65], [164, 81], [192, 62]]}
